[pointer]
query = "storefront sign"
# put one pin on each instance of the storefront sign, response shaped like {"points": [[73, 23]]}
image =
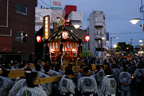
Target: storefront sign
{"points": [[46, 27], [56, 4]]}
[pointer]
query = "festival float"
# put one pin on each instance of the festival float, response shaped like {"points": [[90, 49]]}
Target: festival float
{"points": [[63, 43]]}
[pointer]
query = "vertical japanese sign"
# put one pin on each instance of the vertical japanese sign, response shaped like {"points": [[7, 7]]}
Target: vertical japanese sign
{"points": [[46, 26]]}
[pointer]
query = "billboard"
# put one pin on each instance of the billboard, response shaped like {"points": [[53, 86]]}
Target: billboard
{"points": [[56, 4]]}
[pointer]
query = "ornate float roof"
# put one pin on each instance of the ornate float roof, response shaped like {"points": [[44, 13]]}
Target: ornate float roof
{"points": [[57, 37]]}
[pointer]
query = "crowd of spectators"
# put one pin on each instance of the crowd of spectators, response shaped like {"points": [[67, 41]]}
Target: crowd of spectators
{"points": [[116, 76]]}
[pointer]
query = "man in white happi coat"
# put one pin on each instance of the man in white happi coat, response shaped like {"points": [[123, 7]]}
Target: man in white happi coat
{"points": [[108, 87], [67, 85], [87, 84], [125, 81], [5, 82], [32, 89]]}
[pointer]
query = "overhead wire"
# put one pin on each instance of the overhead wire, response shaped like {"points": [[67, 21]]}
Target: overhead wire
{"points": [[12, 4], [49, 7], [31, 12], [127, 33]]}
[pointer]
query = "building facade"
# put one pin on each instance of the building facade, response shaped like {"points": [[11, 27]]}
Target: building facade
{"points": [[17, 29], [76, 19], [55, 14], [97, 32]]}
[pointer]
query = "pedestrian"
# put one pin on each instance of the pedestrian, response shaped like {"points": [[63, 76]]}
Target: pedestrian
{"points": [[19, 84], [139, 77], [32, 89], [67, 85], [87, 84], [47, 87], [108, 86], [125, 81], [5, 82], [99, 75]]}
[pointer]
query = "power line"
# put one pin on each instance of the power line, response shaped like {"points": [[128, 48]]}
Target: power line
{"points": [[12, 4], [128, 33], [49, 7]]}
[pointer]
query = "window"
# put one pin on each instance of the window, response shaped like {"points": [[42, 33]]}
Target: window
{"points": [[21, 9], [21, 37], [37, 18], [96, 18]]}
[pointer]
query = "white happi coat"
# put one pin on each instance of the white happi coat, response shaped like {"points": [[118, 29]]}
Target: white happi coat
{"points": [[5, 85], [66, 86], [87, 84], [17, 86], [27, 91], [108, 86]]}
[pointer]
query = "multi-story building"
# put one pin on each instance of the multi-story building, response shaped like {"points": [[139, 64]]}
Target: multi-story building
{"points": [[76, 19], [97, 32], [17, 29]]}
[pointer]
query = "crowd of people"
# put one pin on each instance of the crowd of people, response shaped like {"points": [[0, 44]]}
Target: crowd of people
{"points": [[117, 76]]}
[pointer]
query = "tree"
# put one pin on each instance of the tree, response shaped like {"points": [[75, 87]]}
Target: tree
{"points": [[123, 47], [129, 48]]}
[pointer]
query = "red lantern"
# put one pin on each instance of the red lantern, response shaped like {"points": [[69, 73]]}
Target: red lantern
{"points": [[38, 38], [87, 37], [67, 22], [64, 35]]}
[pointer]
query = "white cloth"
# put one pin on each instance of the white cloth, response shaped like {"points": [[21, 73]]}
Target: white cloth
{"points": [[26, 91], [17, 86], [87, 84], [5, 85], [125, 78], [137, 73], [55, 73], [108, 85], [100, 75], [66, 86]]}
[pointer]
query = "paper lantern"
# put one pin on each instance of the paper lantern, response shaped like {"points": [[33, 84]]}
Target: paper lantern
{"points": [[38, 38]]}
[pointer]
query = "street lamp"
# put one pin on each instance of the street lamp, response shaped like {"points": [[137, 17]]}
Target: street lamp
{"points": [[111, 42], [135, 20], [142, 41], [114, 45], [76, 26]]}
